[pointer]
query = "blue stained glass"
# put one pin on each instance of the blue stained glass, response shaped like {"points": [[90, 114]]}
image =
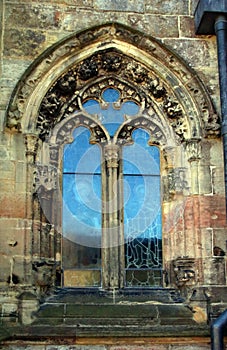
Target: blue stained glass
{"points": [[111, 116], [82, 191], [130, 108], [92, 106], [140, 158], [142, 210], [110, 95], [80, 156]]}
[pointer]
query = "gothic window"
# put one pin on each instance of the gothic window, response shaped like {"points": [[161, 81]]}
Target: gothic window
{"points": [[112, 234]]}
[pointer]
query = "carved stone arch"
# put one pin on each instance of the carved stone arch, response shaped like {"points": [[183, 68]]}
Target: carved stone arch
{"points": [[164, 78], [62, 133]]}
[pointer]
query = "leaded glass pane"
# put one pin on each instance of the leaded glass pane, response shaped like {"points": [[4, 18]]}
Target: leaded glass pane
{"points": [[81, 211], [142, 216], [112, 113]]}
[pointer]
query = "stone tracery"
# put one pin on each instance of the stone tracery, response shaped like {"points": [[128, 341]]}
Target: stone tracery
{"points": [[165, 89], [190, 110]]}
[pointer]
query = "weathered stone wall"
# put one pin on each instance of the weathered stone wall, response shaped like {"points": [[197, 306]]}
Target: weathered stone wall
{"points": [[30, 28], [111, 347]]}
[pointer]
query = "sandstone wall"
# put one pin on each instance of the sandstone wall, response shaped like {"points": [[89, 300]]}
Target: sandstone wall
{"points": [[28, 28]]}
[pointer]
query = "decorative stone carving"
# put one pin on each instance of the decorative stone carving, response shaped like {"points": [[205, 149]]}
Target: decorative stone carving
{"points": [[109, 59], [177, 180], [193, 149], [44, 274], [124, 135], [111, 63], [111, 155], [88, 69], [45, 178], [136, 72], [184, 269], [31, 143], [156, 88], [63, 131], [172, 108]]}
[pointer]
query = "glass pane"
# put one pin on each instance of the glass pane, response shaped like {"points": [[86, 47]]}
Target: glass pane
{"points": [[142, 215], [140, 158], [144, 278], [112, 115], [110, 95], [82, 278], [80, 156], [81, 212]]}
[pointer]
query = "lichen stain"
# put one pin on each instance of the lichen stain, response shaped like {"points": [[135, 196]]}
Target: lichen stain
{"points": [[199, 315]]}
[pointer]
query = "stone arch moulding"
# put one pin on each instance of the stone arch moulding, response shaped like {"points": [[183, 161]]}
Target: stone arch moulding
{"points": [[174, 90]]}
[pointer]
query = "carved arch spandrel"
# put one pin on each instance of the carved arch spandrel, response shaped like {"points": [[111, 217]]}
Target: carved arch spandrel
{"points": [[145, 61]]}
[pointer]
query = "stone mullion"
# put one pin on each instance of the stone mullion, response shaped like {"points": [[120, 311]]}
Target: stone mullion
{"points": [[104, 250], [121, 222], [112, 251], [55, 240]]}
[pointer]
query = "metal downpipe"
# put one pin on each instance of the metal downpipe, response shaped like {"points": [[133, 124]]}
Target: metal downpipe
{"points": [[217, 332], [221, 35]]}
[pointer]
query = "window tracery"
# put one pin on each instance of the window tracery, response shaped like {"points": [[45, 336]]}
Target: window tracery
{"points": [[175, 110]]}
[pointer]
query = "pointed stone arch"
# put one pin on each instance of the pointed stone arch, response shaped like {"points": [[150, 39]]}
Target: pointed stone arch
{"points": [[57, 81], [173, 102]]}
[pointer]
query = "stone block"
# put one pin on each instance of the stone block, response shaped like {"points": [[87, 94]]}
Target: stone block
{"points": [[5, 92], [193, 4], [205, 185], [5, 267], [12, 205], [13, 69], [187, 27], [71, 18], [158, 26], [120, 5], [36, 15], [20, 181], [167, 7], [28, 347], [214, 271], [216, 153], [139, 347], [7, 170], [4, 153], [220, 240], [18, 147], [23, 42], [206, 238], [112, 311], [218, 182], [76, 347], [197, 53], [218, 211]]}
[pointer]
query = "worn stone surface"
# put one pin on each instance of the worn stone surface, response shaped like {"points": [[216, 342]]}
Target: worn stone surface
{"points": [[194, 220]]}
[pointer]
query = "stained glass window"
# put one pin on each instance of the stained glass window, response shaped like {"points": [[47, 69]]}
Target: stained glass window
{"points": [[142, 219], [84, 185], [82, 210]]}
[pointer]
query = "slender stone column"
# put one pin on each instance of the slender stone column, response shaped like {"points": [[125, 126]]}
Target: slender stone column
{"points": [[112, 231], [31, 143]]}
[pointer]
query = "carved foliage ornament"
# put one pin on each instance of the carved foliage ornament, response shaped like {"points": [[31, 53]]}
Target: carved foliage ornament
{"points": [[109, 69], [66, 85]]}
